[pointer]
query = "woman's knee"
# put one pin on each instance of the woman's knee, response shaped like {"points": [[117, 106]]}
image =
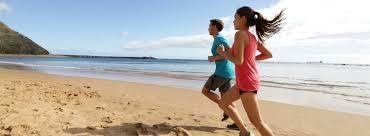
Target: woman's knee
{"points": [[222, 105], [256, 121]]}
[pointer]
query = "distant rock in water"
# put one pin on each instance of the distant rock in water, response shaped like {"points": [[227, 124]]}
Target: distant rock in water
{"points": [[87, 56], [12, 42], [148, 58]]}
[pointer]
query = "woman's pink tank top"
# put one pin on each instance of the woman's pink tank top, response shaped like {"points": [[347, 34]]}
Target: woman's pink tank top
{"points": [[247, 77]]}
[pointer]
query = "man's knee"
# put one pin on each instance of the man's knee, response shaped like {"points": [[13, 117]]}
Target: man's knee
{"points": [[205, 91]]}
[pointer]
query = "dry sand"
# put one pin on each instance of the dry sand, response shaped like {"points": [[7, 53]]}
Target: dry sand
{"points": [[34, 103]]}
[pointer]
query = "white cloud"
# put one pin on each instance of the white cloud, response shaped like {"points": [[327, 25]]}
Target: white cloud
{"points": [[188, 41], [330, 30], [72, 51], [4, 7], [80, 51], [192, 41], [317, 19]]}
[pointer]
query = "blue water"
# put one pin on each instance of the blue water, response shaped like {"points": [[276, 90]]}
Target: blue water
{"points": [[334, 87]]}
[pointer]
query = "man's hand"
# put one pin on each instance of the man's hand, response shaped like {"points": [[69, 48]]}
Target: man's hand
{"points": [[221, 50], [211, 58]]}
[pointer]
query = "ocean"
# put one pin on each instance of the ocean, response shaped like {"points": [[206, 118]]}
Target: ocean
{"points": [[335, 87]]}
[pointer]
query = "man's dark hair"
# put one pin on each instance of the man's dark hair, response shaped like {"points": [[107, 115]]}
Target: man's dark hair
{"points": [[218, 23]]}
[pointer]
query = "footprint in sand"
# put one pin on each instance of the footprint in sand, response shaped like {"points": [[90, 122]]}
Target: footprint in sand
{"points": [[77, 102], [7, 104], [59, 109], [99, 108], [20, 130], [94, 94], [66, 123], [29, 89], [107, 120], [178, 119], [160, 129], [91, 127], [4, 104], [144, 130], [151, 110], [196, 120]]}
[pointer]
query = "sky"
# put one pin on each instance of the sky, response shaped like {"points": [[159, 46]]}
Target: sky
{"points": [[332, 31]]}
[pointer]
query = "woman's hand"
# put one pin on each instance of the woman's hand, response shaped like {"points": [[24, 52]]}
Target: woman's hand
{"points": [[265, 53]]}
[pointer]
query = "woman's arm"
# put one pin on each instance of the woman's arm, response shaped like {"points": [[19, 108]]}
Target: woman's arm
{"points": [[265, 53], [239, 43]]}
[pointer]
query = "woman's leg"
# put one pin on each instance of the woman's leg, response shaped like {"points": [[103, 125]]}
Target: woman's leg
{"points": [[226, 105], [225, 116], [250, 104], [222, 94]]}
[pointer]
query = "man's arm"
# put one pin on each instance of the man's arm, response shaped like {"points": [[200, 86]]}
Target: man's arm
{"points": [[217, 57]]}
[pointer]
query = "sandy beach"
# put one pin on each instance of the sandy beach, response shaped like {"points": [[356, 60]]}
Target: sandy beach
{"points": [[33, 103]]}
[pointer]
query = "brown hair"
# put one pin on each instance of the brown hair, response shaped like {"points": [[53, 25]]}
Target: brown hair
{"points": [[265, 28]]}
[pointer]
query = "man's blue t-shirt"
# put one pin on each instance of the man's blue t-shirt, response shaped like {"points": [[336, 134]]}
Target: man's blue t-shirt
{"points": [[224, 68]]}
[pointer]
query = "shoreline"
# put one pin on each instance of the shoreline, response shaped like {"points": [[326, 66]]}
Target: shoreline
{"points": [[316, 98], [277, 92]]}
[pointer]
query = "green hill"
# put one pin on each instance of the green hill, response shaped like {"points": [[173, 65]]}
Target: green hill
{"points": [[12, 42]]}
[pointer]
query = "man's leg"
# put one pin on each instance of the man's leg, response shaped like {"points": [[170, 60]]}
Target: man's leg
{"points": [[223, 89], [211, 84], [225, 116], [211, 95]]}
